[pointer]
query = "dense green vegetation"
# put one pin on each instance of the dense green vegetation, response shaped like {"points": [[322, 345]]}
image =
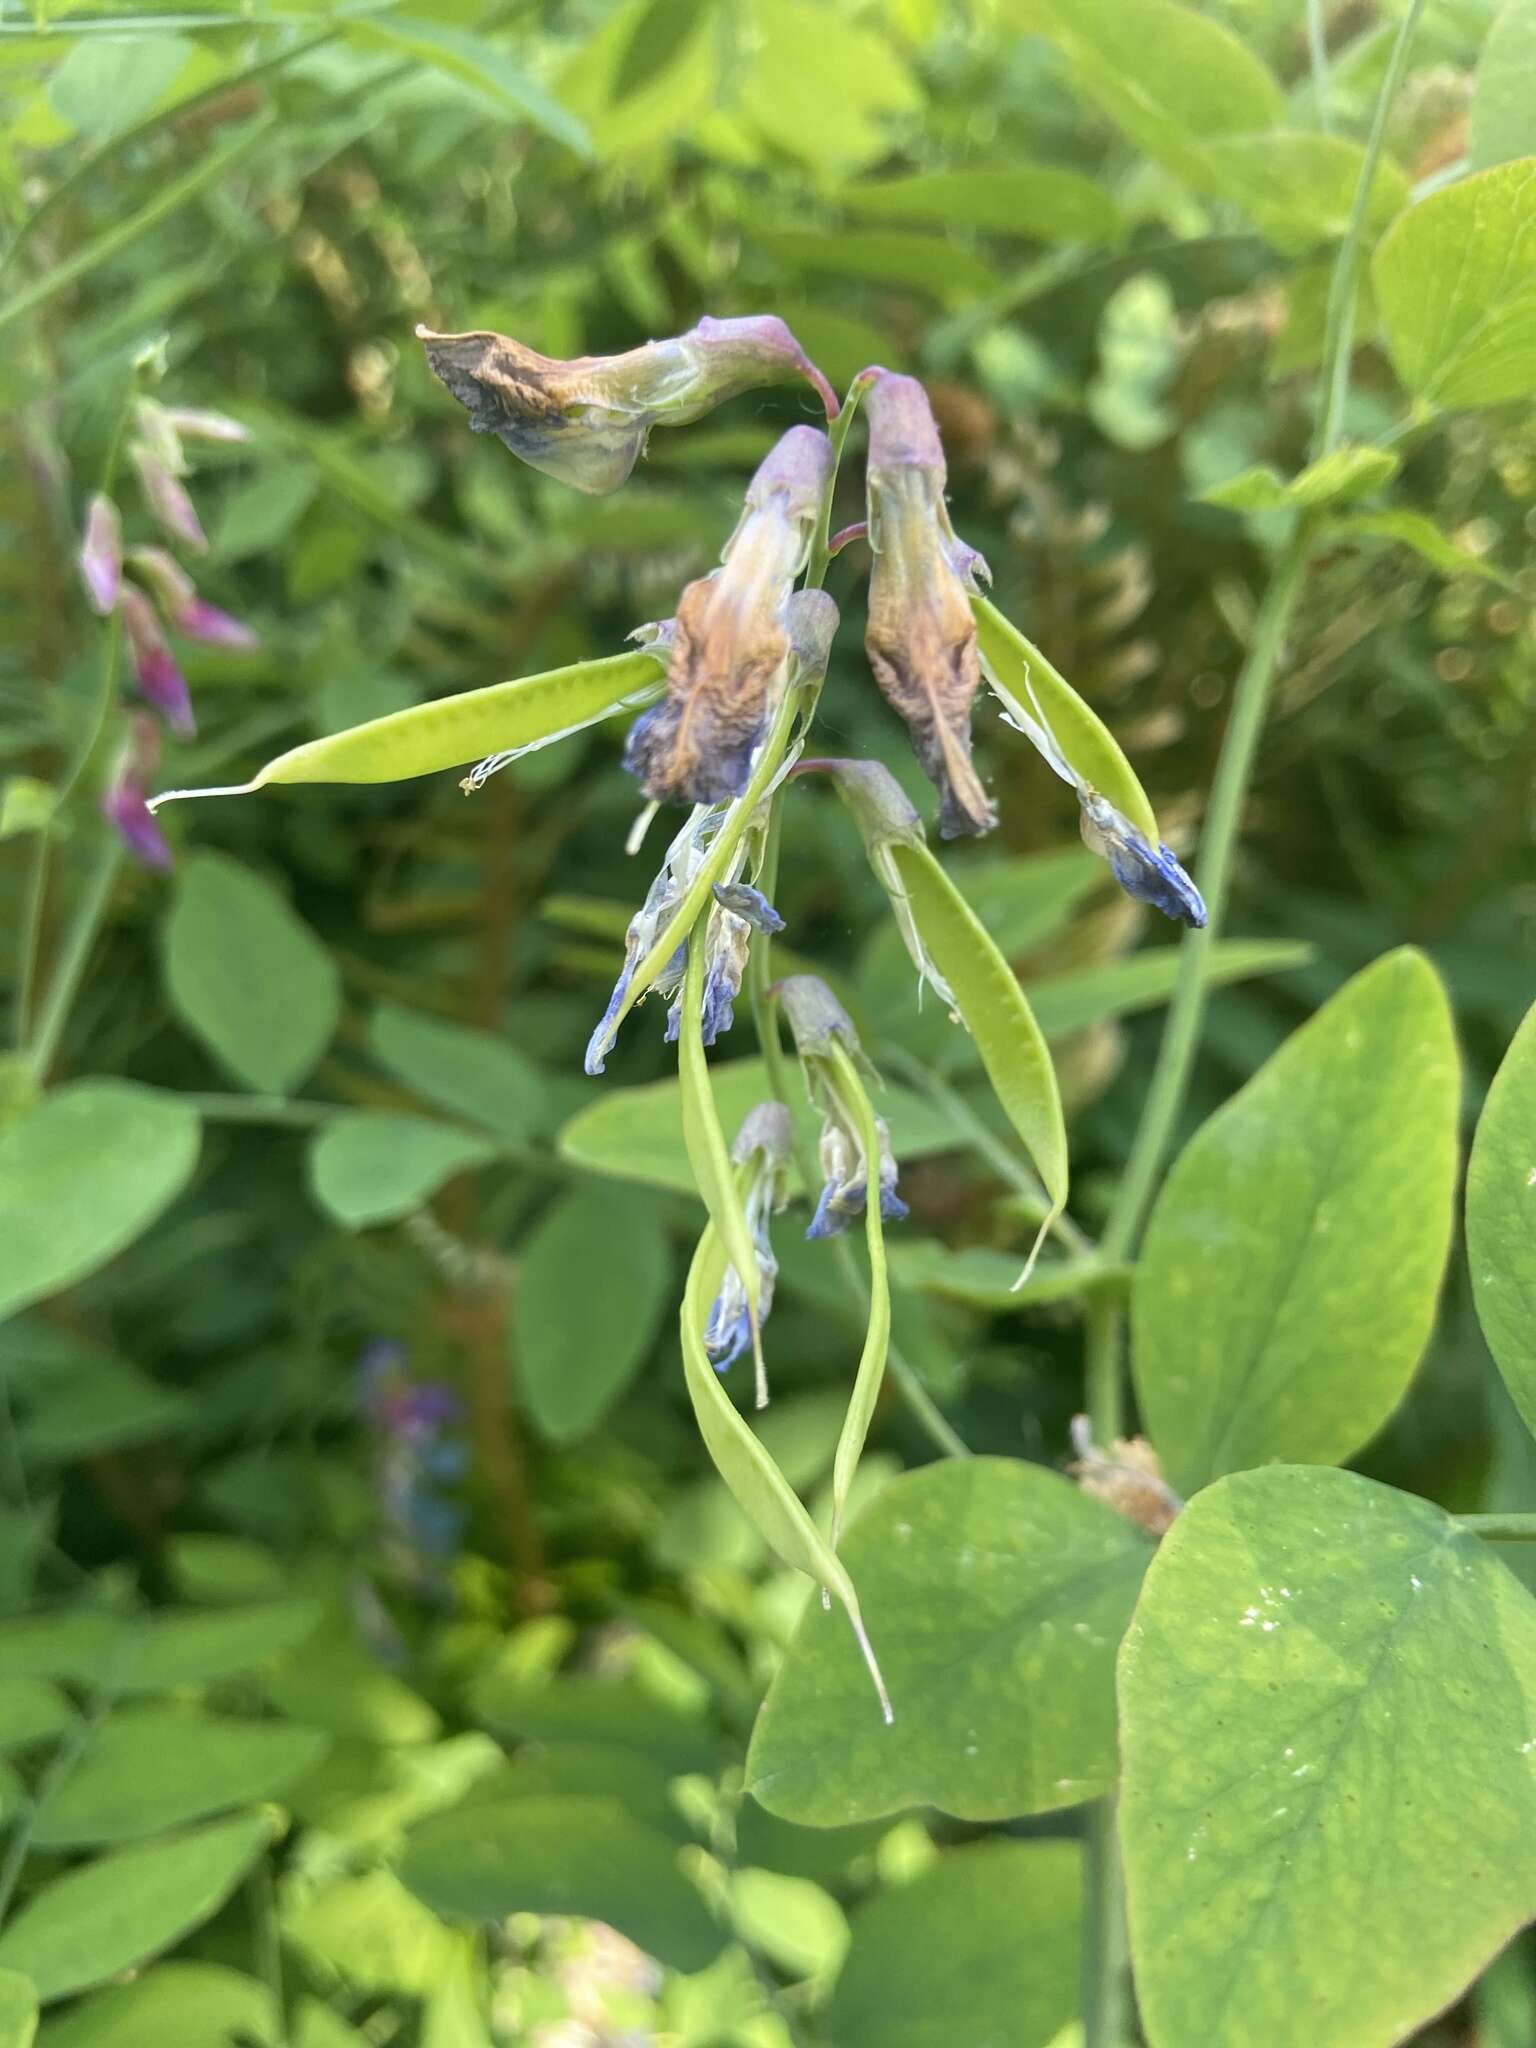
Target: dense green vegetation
{"points": [[408, 1639]]}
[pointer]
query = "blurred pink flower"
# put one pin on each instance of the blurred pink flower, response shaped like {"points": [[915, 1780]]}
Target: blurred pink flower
{"points": [[125, 800], [178, 599], [167, 497], [154, 666], [101, 554]]}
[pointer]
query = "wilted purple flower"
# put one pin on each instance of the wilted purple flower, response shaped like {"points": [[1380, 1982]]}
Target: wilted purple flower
{"points": [[845, 1176], [186, 611], [763, 1148], [154, 666], [101, 554], [167, 497], [739, 911], [671, 883], [730, 649], [125, 800], [921, 637], [586, 421], [819, 1024]]}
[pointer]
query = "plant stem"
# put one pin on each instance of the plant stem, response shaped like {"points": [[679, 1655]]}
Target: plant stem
{"points": [[70, 969], [1500, 1528], [1104, 1948]]}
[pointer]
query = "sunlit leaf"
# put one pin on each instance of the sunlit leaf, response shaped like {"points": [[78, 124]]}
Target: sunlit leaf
{"points": [[1501, 1219], [371, 1166]]}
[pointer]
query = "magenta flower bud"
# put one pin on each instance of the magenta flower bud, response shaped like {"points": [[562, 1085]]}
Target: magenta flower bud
{"points": [[729, 657], [159, 678], [125, 800], [190, 423], [101, 554], [176, 594], [587, 421], [167, 498], [921, 636]]}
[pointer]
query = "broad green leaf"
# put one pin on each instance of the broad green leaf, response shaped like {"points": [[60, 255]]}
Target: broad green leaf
{"points": [[1337, 478], [993, 1008], [102, 88], [1417, 531], [1455, 282], [338, 1683], [82, 1175], [636, 1133], [247, 976], [107, 1916], [1328, 1698], [472, 1074], [371, 1166], [451, 732], [79, 1644], [18, 2010], [953, 274], [980, 1949], [763, 1841], [188, 1648], [1299, 188], [575, 1347], [591, 1770], [1081, 734], [760, 1489], [1288, 1281], [476, 62], [1064, 1003], [822, 86], [588, 1710], [978, 1278], [102, 1407], [1504, 92], [1170, 77], [151, 1768], [641, 78], [800, 1928], [586, 1857], [371, 1931], [1501, 1219], [996, 1594], [183, 2005], [1033, 200], [31, 1710]]}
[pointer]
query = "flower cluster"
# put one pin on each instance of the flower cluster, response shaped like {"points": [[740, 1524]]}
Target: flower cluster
{"points": [[418, 1452], [163, 597]]}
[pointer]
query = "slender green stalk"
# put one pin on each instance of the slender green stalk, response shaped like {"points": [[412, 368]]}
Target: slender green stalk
{"points": [[1317, 52], [65, 1757], [1105, 1974], [70, 970], [1500, 1528]]}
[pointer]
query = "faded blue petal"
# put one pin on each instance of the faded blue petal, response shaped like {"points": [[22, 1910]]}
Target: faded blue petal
{"points": [[1153, 876], [837, 1206], [725, 1340], [742, 900]]}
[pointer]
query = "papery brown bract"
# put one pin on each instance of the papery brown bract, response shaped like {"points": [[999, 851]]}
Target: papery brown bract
{"points": [[731, 642], [921, 637], [586, 420]]}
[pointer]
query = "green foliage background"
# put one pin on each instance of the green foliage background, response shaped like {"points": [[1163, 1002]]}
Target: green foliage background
{"points": [[1102, 236]]}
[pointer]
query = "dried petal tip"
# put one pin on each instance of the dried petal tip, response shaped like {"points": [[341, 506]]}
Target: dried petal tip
{"points": [[101, 554], [743, 901], [125, 800], [1128, 1477], [1152, 875], [734, 636], [586, 421], [921, 636]]}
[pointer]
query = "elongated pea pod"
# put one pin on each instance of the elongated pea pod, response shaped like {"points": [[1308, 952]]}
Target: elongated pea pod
{"points": [[759, 1488], [502, 719], [996, 1012], [1029, 687], [877, 1335], [708, 1153]]}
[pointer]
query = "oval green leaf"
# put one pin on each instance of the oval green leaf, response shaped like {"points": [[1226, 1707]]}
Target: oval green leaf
{"points": [[247, 976], [997, 1594], [1081, 734], [82, 1174], [18, 2010], [1328, 1724], [190, 2005], [576, 1346], [562, 1855], [1289, 1277], [980, 1949], [1455, 283], [993, 1008], [370, 1166], [154, 1768], [105, 1917], [1033, 200], [472, 1074], [1501, 1219]]}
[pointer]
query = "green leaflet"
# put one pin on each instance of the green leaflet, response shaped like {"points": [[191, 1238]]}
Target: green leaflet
{"points": [[450, 731], [708, 1153], [877, 1336], [1080, 733], [758, 1486], [1501, 1219], [994, 1009]]}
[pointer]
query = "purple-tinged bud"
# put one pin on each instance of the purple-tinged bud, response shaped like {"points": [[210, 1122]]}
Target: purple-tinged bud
{"points": [[155, 429], [732, 643], [154, 666], [177, 597], [101, 554], [822, 1029], [886, 818], [586, 421], [816, 1018], [762, 1152], [167, 498], [125, 800], [192, 423], [921, 637]]}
